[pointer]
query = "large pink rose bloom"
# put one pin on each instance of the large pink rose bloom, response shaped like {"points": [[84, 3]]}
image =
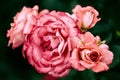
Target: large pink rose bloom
{"points": [[86, 17], [46, 47], [91, 53], [23, 24]]}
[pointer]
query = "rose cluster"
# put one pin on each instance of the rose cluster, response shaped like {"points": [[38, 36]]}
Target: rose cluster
{"points": [[56, 41]]}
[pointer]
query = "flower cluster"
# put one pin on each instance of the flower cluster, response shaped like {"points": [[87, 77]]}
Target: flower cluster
{"points": [[55, 41]]}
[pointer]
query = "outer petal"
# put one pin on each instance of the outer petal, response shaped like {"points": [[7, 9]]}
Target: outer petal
{"points": [[17, 41], [89, 38], [86, 64], [74, 60], [100, 67], [107, 56]]}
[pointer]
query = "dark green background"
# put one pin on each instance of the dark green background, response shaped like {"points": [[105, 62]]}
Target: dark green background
{"points": [[14, 67]]}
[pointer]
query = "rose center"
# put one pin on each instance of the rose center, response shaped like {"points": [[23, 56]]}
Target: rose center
{"points": [[93, 56], [46, 45]]}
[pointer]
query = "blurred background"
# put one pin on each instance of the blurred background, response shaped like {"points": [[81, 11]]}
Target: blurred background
{"points": [[14, 67]]}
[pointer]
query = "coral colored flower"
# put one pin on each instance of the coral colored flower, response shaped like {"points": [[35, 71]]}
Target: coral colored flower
{"points": [[91, 53], [47, 46], [86, 16], [23, 24]]}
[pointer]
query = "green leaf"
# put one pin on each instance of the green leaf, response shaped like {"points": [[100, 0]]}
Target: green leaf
{"points": [[103, 78], [98, 28], [118, 33], [116, 51], [108, 38], [88, 75]]}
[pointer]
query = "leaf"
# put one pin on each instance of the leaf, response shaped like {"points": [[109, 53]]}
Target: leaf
{"points": [[118, 33], [116, 51], [98, 28], [108, 38], [88, 75], [103, 78]]}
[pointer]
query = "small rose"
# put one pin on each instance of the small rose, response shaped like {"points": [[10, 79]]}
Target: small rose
{"points": [[90, 54], [86, 16], [23, 24]]}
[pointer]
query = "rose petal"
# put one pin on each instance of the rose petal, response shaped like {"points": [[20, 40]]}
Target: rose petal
{"points": [[86, 64], [100, 67], [107, 56], [74, 60], [87, 19]]}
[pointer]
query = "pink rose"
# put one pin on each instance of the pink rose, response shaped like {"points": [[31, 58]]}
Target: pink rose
{"points": [[86, 16], [47, 46], [23, 24], [91, 53]]}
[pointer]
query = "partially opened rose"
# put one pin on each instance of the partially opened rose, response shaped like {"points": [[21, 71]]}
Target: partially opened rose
{"points": [[91, 53], [47, 46], [23, 24], [86, 16]]}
